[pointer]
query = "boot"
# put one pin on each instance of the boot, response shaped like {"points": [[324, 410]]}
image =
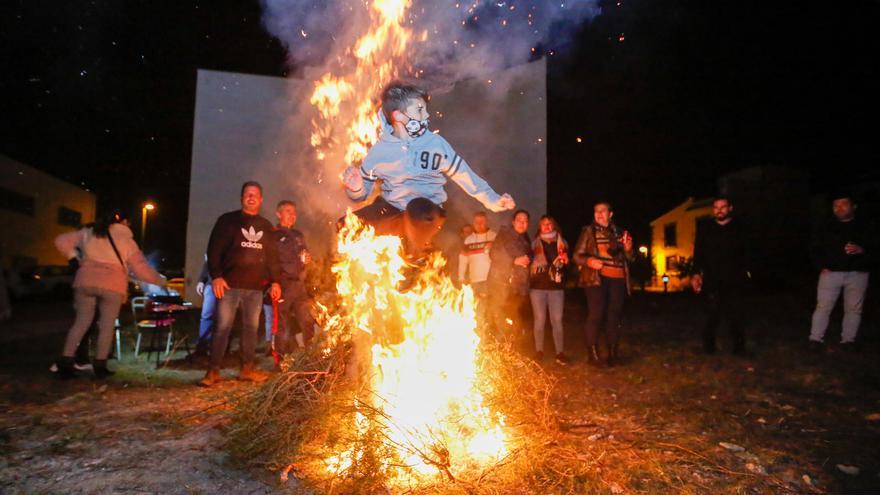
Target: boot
{"points": [[211, 377], [613, 358], [65, 368], [249, 373], [593, 357], [100, 369]]}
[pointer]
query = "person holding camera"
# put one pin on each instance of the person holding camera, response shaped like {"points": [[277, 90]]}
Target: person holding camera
{"points": [[546, 290]]}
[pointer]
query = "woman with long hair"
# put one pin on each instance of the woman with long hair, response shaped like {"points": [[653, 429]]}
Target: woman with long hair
{"points": [[106, 252], [546, 289]]}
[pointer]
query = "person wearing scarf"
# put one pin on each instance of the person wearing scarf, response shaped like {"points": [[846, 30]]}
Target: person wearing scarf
{"points": [[546, 285], [602, 253]]}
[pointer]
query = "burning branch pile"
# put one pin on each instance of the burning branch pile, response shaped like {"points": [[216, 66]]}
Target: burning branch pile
{"points": [[399, 394]]}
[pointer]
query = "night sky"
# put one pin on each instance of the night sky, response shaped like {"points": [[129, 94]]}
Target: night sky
{"points": [[664, 97]]}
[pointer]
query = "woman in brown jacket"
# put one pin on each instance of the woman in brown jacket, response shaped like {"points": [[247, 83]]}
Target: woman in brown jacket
{"points": [[602, 253]]}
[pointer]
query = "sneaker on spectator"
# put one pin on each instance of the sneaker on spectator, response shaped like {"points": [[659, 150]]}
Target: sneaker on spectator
{"points": [[76, 366], [212, 376], [249, 373], [816, 346], [562, 359], [539, 356]]}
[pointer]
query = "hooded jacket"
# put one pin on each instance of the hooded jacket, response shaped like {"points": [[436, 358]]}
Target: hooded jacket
{"points": [[418, 168]]}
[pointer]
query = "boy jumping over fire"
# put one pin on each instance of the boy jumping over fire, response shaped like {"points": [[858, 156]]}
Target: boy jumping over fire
{"points": [[413, 165]]}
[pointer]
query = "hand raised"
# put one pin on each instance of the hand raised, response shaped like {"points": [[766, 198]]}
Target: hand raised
{"points": [[352, 179], [506, 202]]}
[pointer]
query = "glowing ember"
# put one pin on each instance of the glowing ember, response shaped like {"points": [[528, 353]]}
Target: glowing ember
{"points": [[423, 373]]}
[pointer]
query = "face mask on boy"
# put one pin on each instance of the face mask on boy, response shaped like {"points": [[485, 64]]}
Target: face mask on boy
{"points": [[415, 128]]}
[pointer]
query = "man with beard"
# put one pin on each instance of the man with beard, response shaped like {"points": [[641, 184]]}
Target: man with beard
{"points": [[722, 274]]}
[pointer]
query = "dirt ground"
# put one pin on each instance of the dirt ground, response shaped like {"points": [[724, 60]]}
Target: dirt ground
{"points": [[668, 420]]}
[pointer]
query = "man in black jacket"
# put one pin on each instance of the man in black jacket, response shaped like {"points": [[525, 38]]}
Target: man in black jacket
{"points": [[240, 254], [722, 264], [842, 252], [293, 256]]}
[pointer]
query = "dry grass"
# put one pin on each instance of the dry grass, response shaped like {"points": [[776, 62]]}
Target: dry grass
{"points": [[305, 414]]}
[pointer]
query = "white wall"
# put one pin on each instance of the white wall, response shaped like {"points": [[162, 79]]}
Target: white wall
{"points": [[257, 128]]}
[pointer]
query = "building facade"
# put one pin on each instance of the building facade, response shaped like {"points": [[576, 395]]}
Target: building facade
{"points": [[36, 207], [672, 242]]}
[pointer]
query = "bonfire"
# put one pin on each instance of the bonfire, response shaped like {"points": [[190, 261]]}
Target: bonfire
{"points": [[399, 392]]}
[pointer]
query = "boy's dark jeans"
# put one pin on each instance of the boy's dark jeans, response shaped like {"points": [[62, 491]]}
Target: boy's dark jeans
{"points": [[724, 305], [605, 306], [416, 226]]}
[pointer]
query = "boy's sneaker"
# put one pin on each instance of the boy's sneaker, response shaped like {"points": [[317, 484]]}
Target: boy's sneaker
{"points": [[816, 346], [539, 356], [562, 359]]}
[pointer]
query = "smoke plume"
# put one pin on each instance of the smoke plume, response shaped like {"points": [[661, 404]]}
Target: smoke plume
{"points": [[451, 41]]}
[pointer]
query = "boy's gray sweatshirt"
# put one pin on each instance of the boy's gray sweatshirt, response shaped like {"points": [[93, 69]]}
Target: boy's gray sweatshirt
{"points": [[418, 168]]}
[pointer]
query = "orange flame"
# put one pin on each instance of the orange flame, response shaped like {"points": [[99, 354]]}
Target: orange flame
{"points": [[347, 113], [423, 349], [425, 379]]}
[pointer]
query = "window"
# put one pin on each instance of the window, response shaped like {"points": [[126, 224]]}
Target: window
{"points": [[17, 202], [71, 218], [669, 235]]}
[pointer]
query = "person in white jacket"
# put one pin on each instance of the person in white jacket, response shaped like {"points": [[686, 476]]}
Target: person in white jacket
{"points": [[474, 261]]}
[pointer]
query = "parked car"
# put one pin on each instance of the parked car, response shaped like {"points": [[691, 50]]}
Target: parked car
{"points": [[41, 280]]}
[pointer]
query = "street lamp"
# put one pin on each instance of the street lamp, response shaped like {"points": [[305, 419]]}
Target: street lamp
{"points": [[643, 250], [147, 207]]}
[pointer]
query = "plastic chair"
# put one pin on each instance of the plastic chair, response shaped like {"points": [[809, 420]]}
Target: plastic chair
{"points": [[117, 328], [144, 320]]}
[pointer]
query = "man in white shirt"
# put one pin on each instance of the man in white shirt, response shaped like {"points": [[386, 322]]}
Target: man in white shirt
{"points": [[474, 262]]}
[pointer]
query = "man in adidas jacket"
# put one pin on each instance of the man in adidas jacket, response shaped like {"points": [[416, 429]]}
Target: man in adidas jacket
{"points": [[240, 254]]}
